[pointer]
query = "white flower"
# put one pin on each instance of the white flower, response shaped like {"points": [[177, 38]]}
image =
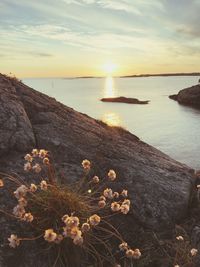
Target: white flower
{"points": [[129, 253], [123, 246], [43, 153], [95, 179], [94, 220], [108, 193], [46, 161], [36, 168], [28, 217], [27, 166], [124, 193], [33, 188], [28, 158], [50, 235], [126, 202], [102, 198], [43, 185], [193, 252], [125, 208], [85, 227], [179, 238], [21, 191], [35, 152], [112, 175], [86, 164], [115, 194], [75, 232], [101, 204], [71, 221], [14, 241], [115, 206], [137, 254]]}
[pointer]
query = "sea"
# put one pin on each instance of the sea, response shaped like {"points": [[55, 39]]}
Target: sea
{"points": [[163, 123]]}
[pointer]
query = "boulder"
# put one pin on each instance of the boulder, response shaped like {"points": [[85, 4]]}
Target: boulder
{"points": [[189, 96], [159, 187]]}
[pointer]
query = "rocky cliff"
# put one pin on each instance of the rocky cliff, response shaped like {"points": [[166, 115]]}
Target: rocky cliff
{"points": [[159, 187]]}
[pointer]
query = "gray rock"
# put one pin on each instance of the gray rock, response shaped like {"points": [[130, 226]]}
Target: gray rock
{"points": [[159, 187], [189, 96]]}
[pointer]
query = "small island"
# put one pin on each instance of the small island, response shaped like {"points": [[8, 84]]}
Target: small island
{"points": [[123, 99]]}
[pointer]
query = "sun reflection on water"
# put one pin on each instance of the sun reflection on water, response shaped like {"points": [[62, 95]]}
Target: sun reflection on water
{"points": [[109, 89], [112, 119]]}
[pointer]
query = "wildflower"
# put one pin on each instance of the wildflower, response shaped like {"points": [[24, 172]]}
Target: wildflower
{"points": [[137, 254], [27, 166], [36, 168], [117, 265], [35, 152], [115, 194], [102, 198], [89, 191], [18, 211], [71, 221], [14, 241], [129, 253], [22, 202], [28, 158], [28, 217], [58, 239], [46, 161], [1, 183], [125, 208], [176, 265], [21, 191], [33, 188], [65, 217], [124, 193], [43, 185], [85, 227], [94, 220], [75, 232], [179, 238], [108, 193], [126, 202], [123, 246], [78, 240], [115, 206], [101, 204], [86, 164], [198, 186], [193, 252], [112, 175], [95, 179], [43, 153], [50, 235]]}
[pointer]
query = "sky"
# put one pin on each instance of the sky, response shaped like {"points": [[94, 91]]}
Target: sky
{"points": [[67, 38]]}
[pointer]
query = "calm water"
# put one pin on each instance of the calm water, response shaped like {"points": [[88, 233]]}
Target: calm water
{"points": [[163, 123]]}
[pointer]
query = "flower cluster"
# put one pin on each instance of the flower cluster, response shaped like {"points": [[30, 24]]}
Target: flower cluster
{"points": [[30, 160], [130, 253], [81, 225]]}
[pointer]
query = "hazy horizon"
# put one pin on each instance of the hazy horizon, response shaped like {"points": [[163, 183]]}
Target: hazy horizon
{"points": [[98, 37]]}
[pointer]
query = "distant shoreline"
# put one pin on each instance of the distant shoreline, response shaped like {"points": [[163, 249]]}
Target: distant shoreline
{"points": [[137, 75]]}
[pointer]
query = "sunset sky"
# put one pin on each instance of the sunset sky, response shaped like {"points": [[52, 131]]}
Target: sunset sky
{"points": [[44, 38]]}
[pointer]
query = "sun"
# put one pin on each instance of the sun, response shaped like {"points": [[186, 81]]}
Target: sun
{"points": [[109, 67]]}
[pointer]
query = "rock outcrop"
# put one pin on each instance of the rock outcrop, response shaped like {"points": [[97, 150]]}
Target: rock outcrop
{"points": [[159, 187], [189, 96], [122, 99]]}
